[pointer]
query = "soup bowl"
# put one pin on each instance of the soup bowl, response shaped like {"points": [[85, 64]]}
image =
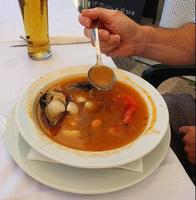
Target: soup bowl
{"points": [[28, 125]]}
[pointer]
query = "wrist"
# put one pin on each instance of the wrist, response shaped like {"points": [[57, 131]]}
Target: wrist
{"points": [[145, 39]]}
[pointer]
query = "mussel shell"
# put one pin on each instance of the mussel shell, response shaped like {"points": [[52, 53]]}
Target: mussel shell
{"points": [[42, 101], [82, 86]]}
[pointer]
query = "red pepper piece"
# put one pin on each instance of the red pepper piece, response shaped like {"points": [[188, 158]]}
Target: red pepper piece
{"points": [[128, 115], [130, 107]]}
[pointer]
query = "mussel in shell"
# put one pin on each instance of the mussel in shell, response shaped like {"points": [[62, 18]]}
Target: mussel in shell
{"points": [[53, 104]]}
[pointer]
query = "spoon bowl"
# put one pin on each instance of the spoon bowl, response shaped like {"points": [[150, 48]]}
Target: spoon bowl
{"points": [[100, 76]]}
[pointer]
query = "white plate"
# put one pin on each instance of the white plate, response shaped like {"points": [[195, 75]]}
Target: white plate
{"points": [[78, 180], [30, 130]]}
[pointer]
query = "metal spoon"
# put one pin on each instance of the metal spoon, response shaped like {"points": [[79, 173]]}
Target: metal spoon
{"points": [[100, 76]]}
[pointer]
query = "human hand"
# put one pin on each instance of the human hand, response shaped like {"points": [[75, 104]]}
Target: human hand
{"points": [[188, 133], [119, 35]]}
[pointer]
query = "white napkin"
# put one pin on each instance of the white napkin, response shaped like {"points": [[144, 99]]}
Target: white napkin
{"points": [[5, 110], [136, 166], [3, 120], [61, 40]]}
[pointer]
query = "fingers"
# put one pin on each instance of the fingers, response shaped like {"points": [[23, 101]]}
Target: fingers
{"points": [[188, 133], [190, 151], [185, 129], [85, 21], [108, 42], [102, 14], [109, 47], [104, 35]]}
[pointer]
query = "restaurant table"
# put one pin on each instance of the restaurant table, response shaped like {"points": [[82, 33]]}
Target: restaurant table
{"points": [[168, 182]]}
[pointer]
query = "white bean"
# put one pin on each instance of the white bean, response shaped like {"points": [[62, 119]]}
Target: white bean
{"points": [[89, 105], [72, 108], [72, 133], [80, 99]]}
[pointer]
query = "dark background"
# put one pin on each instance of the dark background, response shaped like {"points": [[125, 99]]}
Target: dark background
{"points": [[135, 9], [132, 8]]}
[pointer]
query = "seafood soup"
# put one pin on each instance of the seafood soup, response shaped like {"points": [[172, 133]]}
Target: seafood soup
{"points": [[74, 114]]}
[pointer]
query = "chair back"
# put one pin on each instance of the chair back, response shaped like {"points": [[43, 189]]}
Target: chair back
{"points": [[177, 13]]}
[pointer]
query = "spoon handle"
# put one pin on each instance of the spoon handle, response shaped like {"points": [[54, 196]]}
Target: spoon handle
{"points": [[95, 34], [81, 4]]}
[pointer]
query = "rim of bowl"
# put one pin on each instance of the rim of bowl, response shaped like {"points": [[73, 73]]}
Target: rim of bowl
{"points": [[104, 159]]}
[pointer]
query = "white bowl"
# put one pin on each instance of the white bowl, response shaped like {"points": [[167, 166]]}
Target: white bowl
{"points": [[146, 142]]}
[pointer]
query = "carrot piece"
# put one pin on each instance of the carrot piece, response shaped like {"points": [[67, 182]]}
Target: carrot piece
{"points": [[96, 123]]}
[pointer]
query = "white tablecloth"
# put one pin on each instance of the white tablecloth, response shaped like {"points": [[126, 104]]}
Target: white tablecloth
{"points": [[17, 71]]}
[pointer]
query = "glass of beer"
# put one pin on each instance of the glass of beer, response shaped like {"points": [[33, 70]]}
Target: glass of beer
{"points": [[35, 19]]}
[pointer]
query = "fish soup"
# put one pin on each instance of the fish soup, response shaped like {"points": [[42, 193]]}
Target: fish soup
{"points": [[74, 114]]}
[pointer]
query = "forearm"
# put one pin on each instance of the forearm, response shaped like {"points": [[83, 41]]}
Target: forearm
{"points": [[169, 46]]}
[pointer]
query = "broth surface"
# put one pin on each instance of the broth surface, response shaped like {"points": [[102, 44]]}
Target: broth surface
{"points": [[101, 76], [106, 120]]}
